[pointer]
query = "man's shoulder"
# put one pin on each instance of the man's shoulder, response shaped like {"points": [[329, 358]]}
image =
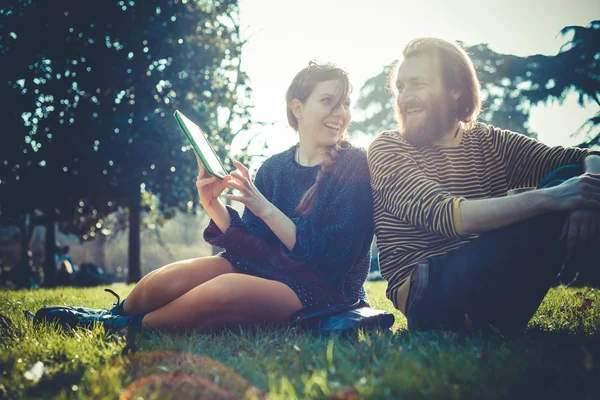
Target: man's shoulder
{"points": [[480, 129], [492, 132], [386, 139], [389, 136]]}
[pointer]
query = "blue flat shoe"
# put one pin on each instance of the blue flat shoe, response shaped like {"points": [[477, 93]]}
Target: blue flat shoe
{"points": [[116, 310], [69, 317]]}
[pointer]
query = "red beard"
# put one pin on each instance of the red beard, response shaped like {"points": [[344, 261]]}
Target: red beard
{"points": [[439, 119]]}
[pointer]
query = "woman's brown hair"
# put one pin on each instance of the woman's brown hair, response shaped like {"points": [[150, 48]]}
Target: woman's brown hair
{"points": [[301, 88]]}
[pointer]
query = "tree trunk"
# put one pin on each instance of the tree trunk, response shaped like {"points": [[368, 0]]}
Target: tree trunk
{"points": [[100, 251], [25, 238], [50, 250], [134, 269], [23, 272]]}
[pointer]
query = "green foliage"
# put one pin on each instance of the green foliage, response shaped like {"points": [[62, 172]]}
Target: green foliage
{"points": [[503, 104], [90, 91], [375, 101], [557, 357]]}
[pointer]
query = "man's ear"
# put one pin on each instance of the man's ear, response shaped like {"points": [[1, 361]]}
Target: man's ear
{"points": [[297, 107]]}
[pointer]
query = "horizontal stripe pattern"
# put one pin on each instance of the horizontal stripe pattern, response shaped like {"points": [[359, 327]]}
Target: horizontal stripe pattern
{"points": [[415, 190]]}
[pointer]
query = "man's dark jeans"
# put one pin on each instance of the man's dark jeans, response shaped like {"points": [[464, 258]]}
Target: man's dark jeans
{"points": [[499, 278]]}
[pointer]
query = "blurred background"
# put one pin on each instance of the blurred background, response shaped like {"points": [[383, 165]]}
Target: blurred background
{"points": [[91, 157]]}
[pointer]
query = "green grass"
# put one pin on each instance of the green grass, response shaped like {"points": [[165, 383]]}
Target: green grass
{"points": [[558, 357]]}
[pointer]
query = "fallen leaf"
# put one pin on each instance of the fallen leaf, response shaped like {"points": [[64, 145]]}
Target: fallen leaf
{"points": [[178, 385], [587, 303], [179, 376], [346, 394]]}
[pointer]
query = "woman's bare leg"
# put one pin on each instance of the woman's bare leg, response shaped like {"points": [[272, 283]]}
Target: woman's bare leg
{"points": [[230, 297], [163, 285]]}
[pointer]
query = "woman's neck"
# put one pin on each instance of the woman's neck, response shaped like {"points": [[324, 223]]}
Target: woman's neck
{"points": [[309, 156]]}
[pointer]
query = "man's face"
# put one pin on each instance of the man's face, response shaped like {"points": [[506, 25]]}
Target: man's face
{"points": [[425, 108]]}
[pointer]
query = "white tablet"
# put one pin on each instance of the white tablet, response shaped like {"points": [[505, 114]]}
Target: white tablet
{"points": [[201, 146]]}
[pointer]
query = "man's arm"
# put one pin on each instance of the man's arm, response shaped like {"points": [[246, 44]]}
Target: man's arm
{"points": [[578, 193], [528, 160], [484, 215], [404, 191]]}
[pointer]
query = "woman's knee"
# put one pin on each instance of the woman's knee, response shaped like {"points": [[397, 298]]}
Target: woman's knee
{"points": [[223, 292], [189, 272], [259, 298]]}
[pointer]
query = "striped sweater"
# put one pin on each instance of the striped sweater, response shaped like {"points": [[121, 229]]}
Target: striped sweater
{"points": [[417, 190]]}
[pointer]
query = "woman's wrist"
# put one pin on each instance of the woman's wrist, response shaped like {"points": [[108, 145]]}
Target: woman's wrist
{"points": [[219, 214], [212, 205], [267, 213]]}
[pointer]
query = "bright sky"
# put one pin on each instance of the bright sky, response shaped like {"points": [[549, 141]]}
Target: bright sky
{"points": [[363, 36]]}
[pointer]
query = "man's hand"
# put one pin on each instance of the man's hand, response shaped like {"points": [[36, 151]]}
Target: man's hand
{"points": [[578, 193], [582, 231]]}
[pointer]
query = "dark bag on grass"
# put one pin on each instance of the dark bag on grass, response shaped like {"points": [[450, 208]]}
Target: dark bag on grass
{"points": [[346, 317]]}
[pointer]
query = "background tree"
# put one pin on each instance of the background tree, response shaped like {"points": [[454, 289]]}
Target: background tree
{"points": [[41, 94], [111, 76]]}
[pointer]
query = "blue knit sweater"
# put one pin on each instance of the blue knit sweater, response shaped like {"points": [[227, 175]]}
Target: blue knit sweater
{"points": [[332, 250]]}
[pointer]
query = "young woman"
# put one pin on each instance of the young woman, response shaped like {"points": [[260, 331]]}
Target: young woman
{"points": [[303, 240]]}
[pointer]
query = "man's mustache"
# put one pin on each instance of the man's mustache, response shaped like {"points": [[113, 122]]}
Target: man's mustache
{"points": [[411, 104]]}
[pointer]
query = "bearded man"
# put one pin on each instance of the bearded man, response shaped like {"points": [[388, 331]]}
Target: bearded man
{"points": [[455, 249]]}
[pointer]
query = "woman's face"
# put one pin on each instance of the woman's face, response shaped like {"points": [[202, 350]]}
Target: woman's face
{"points": [[323, 118]]}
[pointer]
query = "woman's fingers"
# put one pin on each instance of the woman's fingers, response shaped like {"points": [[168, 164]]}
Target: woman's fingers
{"points": [[237, 186], [243, 169], [205, 181], [241, 199], [242, 179], [225, 181]]}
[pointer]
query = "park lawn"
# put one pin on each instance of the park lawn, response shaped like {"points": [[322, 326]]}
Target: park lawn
{"points": [[557, 357]]}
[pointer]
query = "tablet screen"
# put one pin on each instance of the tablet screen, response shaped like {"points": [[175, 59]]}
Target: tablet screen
{"points": [[207, 154]]}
